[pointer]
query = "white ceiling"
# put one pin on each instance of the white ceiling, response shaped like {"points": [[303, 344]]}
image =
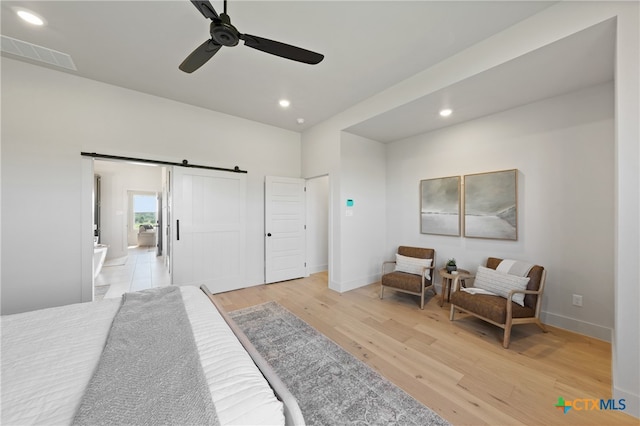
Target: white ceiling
{"points": [[368, 46], [581, 60]]}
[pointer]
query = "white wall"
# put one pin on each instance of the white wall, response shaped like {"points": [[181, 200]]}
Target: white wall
{"points": [[563, 149], [117, 178], [363, 226], [49, 117]]}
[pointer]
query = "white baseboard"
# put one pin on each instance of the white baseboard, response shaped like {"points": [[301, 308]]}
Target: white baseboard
{"points": [[631, 401], [353, 284], [577, 326], [317, 268], [335, 286]]}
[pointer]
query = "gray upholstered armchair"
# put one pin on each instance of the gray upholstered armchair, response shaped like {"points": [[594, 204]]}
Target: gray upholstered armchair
{"points": [[503, 311], [413, 272]]}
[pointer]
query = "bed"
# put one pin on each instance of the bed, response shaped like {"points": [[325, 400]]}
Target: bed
{"points": [[51, 358]]}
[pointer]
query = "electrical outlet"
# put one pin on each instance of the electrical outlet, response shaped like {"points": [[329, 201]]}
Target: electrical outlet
{"points": [[577, 300]]}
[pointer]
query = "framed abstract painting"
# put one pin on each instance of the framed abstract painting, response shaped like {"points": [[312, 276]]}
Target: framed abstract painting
{"points": [[440, 206], [491, 205]]}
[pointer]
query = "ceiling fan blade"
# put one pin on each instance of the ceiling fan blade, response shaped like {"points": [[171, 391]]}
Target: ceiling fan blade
{"points": [[281, 49], [200, 56], [205, 7]]}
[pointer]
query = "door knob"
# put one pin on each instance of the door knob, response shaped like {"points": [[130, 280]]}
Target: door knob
{"points": [[269, 234]]}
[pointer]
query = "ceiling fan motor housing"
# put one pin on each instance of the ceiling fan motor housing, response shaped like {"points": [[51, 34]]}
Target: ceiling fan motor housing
{"points": [[223, 32]]}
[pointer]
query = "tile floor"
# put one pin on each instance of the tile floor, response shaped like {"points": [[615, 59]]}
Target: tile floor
{"points": [[140, 270]]}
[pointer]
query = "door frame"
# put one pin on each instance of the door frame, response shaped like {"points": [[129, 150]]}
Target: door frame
{"points": [[86, 223], [87, 218], [301, 271]]}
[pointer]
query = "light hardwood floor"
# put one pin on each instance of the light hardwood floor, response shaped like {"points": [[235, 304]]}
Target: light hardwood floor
{"points": [[459, 369]]}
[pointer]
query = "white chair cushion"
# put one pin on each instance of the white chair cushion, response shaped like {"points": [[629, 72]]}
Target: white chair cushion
{"points": [[500, 283], [413, 265]]}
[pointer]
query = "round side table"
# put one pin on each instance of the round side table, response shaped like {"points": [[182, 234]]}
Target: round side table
{"points": [[448, 278]]}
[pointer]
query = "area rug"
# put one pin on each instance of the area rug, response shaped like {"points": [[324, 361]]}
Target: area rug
{"points": [[331, 385]]}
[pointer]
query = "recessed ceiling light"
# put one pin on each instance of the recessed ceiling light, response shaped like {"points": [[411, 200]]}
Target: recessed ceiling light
{"points": [[284, 103], [445, 112], [30, 17]]}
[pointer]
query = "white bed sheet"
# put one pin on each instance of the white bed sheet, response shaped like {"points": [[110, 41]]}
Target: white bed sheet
{"points": [[239, 390], [49, 356]]}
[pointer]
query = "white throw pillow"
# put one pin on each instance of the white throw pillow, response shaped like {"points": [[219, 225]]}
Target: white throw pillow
{"points": [[413, 265], [500, 283]]}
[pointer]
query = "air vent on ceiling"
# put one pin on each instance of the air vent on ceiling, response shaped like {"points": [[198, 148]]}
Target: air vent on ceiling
{"points": [[37, 53]]}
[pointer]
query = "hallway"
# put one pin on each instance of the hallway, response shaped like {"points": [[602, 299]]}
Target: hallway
{"points": [[139, 270]]}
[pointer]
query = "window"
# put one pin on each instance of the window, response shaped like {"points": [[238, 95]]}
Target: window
{"points": [[144, 210]]}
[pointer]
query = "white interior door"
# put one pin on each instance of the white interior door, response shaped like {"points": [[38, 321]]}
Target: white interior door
{"points": [[208, 228], [284, 229]]}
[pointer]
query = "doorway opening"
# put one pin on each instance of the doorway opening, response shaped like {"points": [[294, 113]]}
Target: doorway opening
{"points": [[318, 228], [131, 216]]}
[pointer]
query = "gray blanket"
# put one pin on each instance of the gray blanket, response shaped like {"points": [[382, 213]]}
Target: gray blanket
{"points": [[150, 371]]}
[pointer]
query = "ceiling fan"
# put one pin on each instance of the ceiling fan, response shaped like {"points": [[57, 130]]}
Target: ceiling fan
{"points": [[225, 34]]}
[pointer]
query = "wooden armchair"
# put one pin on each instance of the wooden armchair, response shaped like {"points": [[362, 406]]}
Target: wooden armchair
{"points": [[501, 311], [413, 273]]}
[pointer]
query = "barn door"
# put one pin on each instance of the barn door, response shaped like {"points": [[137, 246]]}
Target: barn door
{"points": [[208, 228]]}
